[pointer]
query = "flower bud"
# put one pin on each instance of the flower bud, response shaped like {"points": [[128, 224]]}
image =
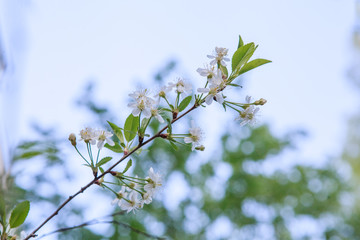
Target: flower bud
{"points": [[100, 181], [200, 148], [162, 94], [261, 101], [72, 139]]}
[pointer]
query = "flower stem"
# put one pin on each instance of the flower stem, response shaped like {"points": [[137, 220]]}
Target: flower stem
{"points": [[32, 234], [81, 155]]}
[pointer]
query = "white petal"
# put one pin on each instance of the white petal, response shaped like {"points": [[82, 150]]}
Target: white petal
{"points": [[100, 144], [203, 90], [110, 142], [136, 112], [114, 201], [146, 113], [213, 62], [219, 98], [188, 140], [209, 99], [159, 118]]}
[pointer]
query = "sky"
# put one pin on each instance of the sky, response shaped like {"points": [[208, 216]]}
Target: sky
{"points": [[55, 47], [121, 45]]}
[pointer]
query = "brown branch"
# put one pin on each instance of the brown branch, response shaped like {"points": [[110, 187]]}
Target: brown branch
{"points": [[32, 234], [96, 221]]}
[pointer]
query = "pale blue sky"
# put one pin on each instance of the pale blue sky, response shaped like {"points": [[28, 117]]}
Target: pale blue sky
{"points": [[56, 46], [116, 42]]}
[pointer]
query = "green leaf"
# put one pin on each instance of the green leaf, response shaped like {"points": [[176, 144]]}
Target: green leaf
{"points": [[117, 131], [144, 124], [103, 161], [234, 85], [224, 106], [29, 155], [2, 210], [184, 103], [166, 109], [242, 55], [224, 70], [241, 42], [131, 127], [173, 145], [101, 170], [19, 214], [253, 64], [128, 165], [116, 148]]}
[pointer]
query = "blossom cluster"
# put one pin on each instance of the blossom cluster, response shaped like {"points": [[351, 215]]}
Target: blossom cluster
{"points": [[216, 83], [90, 135], [138, 192], [160, 105]]}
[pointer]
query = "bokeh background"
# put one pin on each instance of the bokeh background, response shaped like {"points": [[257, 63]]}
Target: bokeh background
{"points": [[66, 65]]}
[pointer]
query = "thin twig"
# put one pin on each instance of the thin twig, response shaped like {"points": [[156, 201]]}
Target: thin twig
{"points": [[96, 221], [32, 234]]}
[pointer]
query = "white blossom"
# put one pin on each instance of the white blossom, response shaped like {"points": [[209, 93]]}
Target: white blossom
{"points": [[147, 197], [142, 103], [248, 116], [155, 113], [162, 92], [141, 93], [196, 136], [208, 71], [131, 204], [219, 56], [102, 136], [212, 93], [181, 86], [153, 181], [88, 135], [248, 99], [217, 80], [119, 198]]}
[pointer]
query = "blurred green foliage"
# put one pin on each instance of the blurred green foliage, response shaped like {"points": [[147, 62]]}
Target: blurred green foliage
{"points": [[239, 188]]}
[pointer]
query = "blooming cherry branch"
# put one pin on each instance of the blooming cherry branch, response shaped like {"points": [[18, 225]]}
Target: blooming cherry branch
{"points": [[133, 192]]}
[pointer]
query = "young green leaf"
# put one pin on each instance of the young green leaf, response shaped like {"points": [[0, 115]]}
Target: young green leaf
{"points": [[241, 42], [131, 127], [242, 55], [19, 214], [103, 161], [253, 64], [101, 170], [144, 124], [116, 148], [224, 71], [184, 103], [117, 131], [128, 165], [174, 145]]}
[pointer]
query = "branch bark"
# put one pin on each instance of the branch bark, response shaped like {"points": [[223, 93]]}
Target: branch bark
{"points": [[32, 234]]}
